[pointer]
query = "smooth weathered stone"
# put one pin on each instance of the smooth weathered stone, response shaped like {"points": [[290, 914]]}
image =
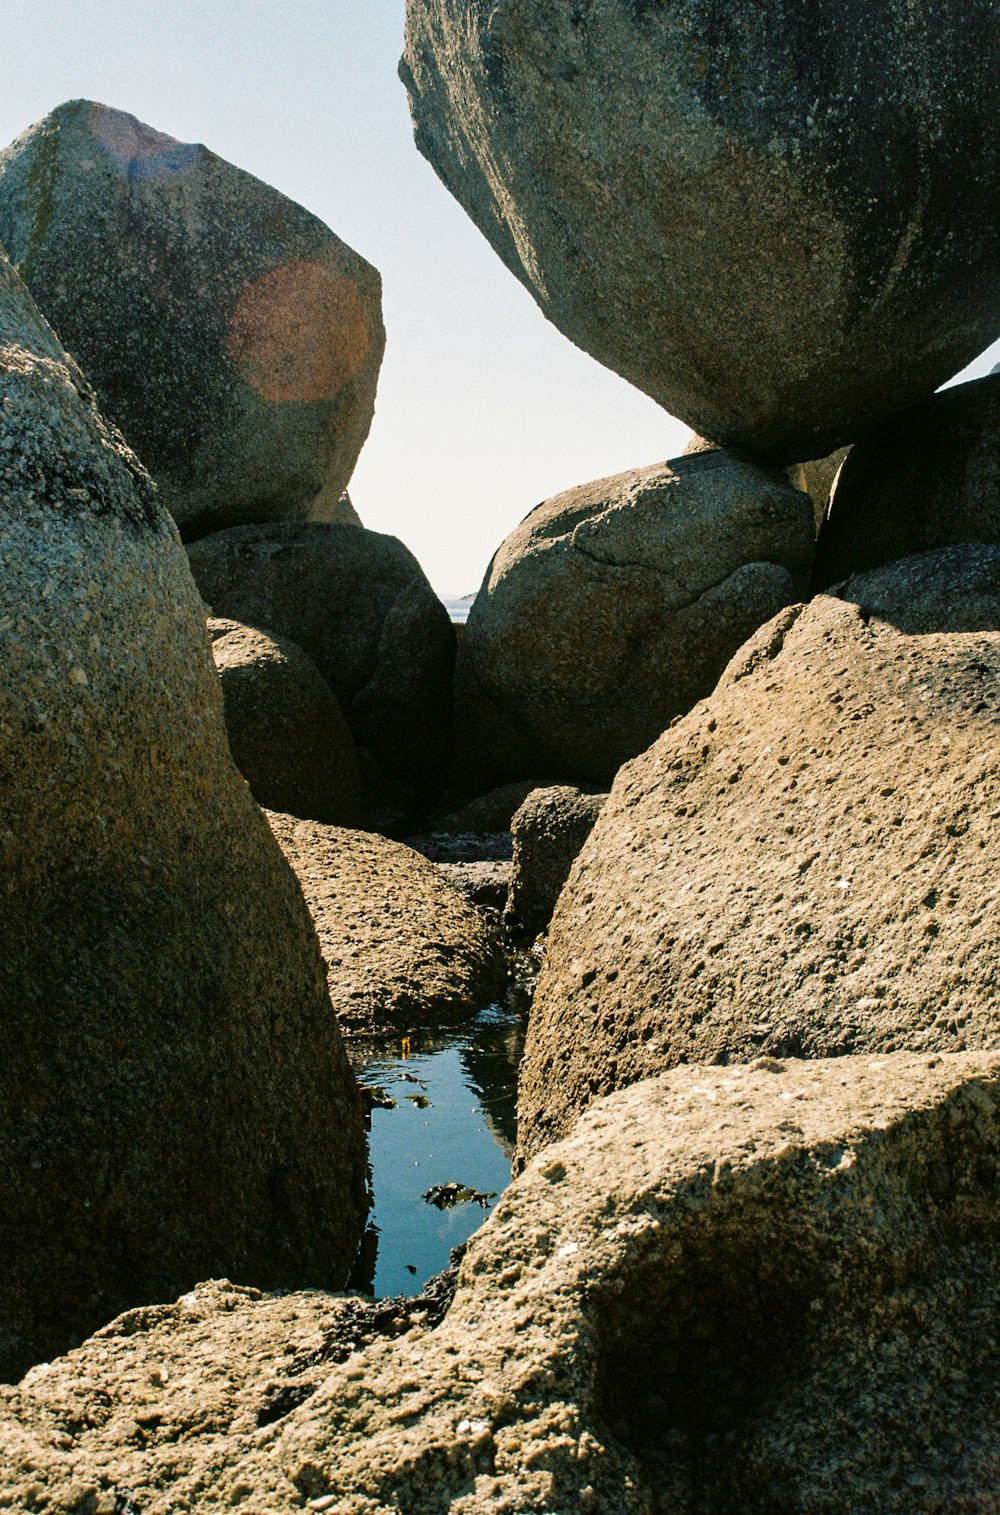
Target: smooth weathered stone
{"points": [[402, 946], [804, 864], [287, 734], [230, 334], [732, 1289], [928, 479], [614, 606], [748, 211], [549, 830], [174, 1097], [360, 605]]}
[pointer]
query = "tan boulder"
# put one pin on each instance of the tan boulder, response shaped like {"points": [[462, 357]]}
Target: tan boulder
{"points": [[804, 864], [174, 1097]]}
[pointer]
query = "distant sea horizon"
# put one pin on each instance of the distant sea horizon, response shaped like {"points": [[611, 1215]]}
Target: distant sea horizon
{"points": [[458, 607]]}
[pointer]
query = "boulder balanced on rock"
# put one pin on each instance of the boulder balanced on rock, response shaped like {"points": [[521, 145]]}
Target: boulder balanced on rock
{"points": [[614, 606], [233, 338], [804, 865], [174, 1098], [778, 220]]}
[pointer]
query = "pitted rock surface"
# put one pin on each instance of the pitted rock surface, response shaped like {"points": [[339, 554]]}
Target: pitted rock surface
{"points": [[233, 338], [174, 1097], [804, 864], [287, 733], [730, 1285], [402, 945], [360, 605], [613, 607], [549, 830], [930, 478], [749, 211]]}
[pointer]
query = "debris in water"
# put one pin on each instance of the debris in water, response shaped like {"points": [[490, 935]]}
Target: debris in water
{"points": [[446, 1195], [420, 1100], [375, 1097]]}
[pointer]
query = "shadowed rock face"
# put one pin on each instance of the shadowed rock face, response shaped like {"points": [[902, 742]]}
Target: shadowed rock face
{"points": [[614, 606], [752, 1290], [233, 338], [802, 866], [747, 210], [174, 1098]]}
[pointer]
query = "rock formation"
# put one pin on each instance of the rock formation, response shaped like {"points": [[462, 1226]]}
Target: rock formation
{"points": [[287, 733], [548, 830], [174, 1098], [749, 211], [613, 607], [804, 864], [233, 338]]}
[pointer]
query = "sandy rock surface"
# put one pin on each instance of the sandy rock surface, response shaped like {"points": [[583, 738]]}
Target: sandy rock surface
{"points": [[174, 1098], [360, 605], [749, 211], [287, 733], [402, 946], [930, 478], [728, 1282], [614, 606], [804, 864], [549, 830], [230, 334]]}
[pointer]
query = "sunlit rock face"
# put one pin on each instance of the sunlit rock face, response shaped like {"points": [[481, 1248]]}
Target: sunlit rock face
{"points": [[174, 1096], [232, 336], [776, 219]]}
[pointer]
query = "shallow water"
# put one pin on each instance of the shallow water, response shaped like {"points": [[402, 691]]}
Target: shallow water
{"points": [[453, 1122]]}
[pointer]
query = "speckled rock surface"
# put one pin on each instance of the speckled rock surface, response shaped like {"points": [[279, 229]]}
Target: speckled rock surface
{"points": [[287, 734], [804, 864], [360, 605], [174, 1097], [402, 946], [755, 1289], [748, 211], [548, 830], [230, 334], [928, 479], [614, 606]]}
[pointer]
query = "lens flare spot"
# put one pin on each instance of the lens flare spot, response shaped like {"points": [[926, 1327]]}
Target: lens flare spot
{"points": [[138, 150], [298, 332]]}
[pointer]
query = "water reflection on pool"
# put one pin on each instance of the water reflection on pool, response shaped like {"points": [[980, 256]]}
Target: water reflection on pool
{"points": [[452, 1122]]}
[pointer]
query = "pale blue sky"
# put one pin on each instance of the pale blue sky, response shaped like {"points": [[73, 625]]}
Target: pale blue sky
{"points": [[484, 409]]}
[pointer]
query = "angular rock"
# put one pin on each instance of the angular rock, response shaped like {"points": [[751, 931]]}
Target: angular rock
{"points": [[287, 734], [817, 478], [614, 606], [549, 830], [803, 865], [174, 1097], [732, 1289], [233, 338], [748, 211], [359, 604], [927, 479], [402, 946]]}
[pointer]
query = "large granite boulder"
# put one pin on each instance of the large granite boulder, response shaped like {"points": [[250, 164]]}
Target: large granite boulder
{"points": [[804, 865], [613, 607], [752, 1289], [749, 211], [287, 733], [360, 605], [233, 338], [174, 1097], [548, 830], [927, 479], [403, 947]]}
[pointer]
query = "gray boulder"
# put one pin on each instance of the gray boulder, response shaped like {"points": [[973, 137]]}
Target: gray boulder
{"points": [[750, 1289], [749, 211], [614, 606], [803, 865], [359, 604], [549, 830], [233, 338], [174, 1097], [403, 947], [927, 479], [287, 734]]}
